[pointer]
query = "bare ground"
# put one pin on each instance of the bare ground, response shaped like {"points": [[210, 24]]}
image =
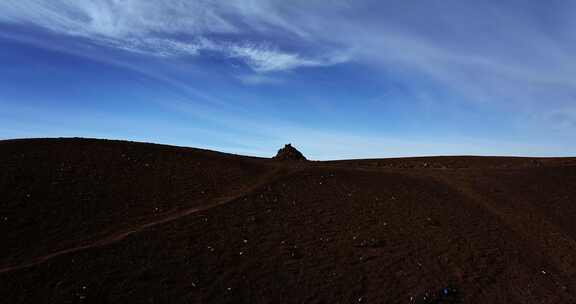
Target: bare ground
{"points": [[93, 221]]}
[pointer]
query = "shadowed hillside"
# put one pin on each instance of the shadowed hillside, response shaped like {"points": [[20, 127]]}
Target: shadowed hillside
{"points": [[94, 221]]}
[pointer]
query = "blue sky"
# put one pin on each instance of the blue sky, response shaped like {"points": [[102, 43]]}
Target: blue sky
{"points": [[338, 79]]}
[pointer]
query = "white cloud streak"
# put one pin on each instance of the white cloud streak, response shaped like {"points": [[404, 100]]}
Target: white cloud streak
{"points": [[167, 28], [266, 59]]}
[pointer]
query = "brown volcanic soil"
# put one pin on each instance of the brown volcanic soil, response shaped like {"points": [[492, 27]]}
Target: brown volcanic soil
{"points": [[93, 221]]}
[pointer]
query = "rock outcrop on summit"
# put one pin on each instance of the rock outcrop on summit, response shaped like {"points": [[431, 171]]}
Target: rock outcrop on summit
{"points": [[289, 153]]}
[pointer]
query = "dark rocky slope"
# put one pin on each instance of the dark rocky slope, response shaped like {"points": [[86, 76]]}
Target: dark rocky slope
{"points": [[91, 221]]}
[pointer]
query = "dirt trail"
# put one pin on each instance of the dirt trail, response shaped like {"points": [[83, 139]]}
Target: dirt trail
{"points": [[276, 173]]}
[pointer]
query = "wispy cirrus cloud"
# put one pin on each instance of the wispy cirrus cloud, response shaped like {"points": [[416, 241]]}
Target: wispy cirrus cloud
{"points": [[266, 59], [259, 57], [483, 50], [118, 19], [170, 28]]}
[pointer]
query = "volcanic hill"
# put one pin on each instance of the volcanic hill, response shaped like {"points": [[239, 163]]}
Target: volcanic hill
{"points": [[99, 221]]}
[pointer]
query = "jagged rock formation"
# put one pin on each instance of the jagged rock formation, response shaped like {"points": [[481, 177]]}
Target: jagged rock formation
{"points": [[289, 153]]}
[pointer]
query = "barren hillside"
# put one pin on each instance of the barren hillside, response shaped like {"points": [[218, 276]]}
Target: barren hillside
{"points": [[94, 221]]}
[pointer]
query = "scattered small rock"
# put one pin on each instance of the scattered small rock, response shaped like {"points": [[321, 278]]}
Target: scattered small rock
{"points": [[369, 243]]}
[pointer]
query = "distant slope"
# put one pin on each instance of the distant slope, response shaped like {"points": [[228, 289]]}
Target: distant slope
{"points": [[460, 162], [232, 229]]}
